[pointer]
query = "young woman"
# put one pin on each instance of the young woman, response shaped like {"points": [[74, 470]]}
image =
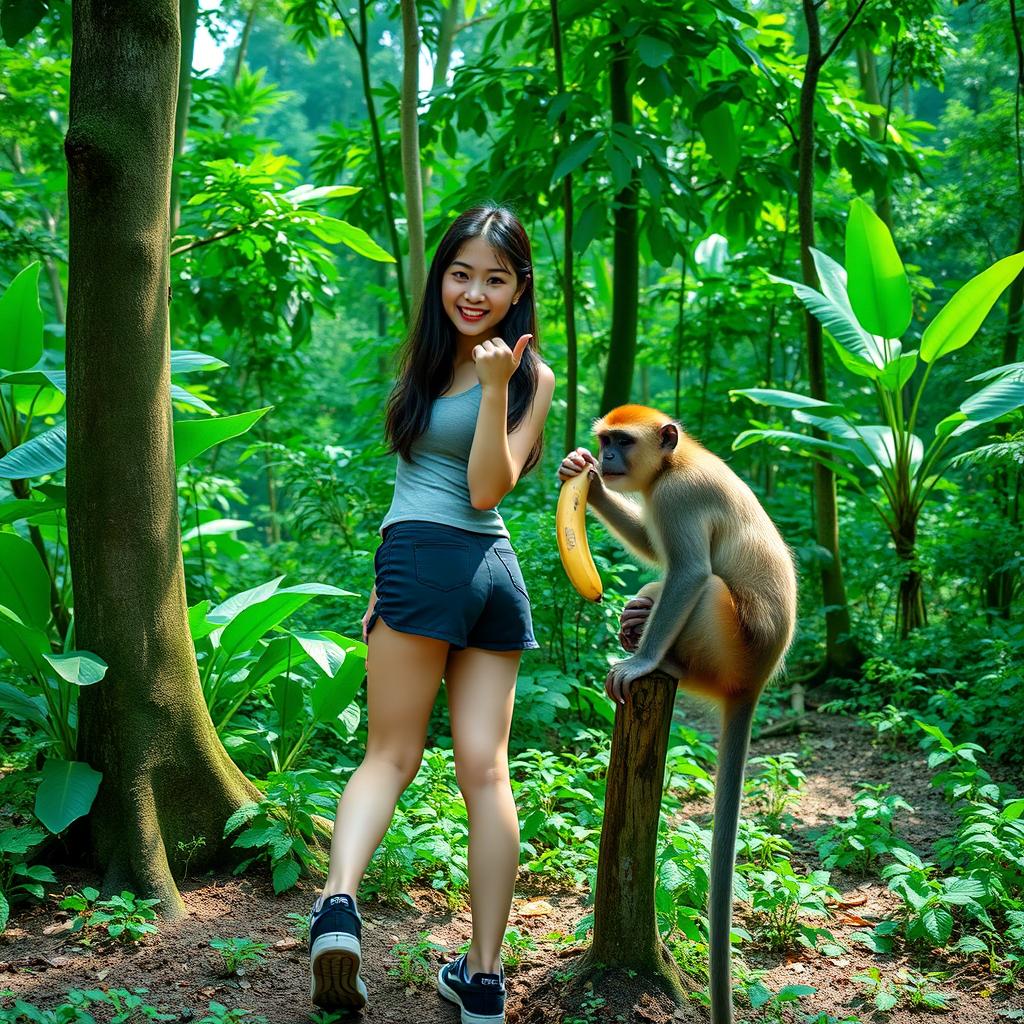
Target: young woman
{"points": [[465, 419]]}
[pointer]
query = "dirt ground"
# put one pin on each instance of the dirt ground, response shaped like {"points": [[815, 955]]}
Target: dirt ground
{"points": [[40, 961]]}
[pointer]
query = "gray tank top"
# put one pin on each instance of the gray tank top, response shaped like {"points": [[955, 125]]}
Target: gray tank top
{"points": [[433, 486]]}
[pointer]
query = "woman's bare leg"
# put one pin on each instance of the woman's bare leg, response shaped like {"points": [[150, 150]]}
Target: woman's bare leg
{"points": [[403, 675], [481, 691]]}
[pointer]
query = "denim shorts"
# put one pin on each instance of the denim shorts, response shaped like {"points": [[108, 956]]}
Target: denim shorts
{"points": [[440, 581]]}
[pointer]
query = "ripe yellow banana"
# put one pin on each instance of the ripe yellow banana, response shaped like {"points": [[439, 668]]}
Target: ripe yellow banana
{"points": [[570, 518]]}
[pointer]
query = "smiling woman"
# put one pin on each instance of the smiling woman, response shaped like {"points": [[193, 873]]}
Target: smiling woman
{"points": [[449, 599]]}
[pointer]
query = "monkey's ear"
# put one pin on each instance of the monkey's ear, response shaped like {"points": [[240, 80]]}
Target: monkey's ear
{"points": [[669, 436]]}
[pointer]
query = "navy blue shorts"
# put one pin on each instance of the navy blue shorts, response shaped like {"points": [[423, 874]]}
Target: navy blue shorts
{"points": [[439, 581]]}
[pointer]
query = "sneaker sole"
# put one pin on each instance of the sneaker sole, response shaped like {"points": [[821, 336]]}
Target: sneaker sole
{"points": [[334, 964], [446, 992]]}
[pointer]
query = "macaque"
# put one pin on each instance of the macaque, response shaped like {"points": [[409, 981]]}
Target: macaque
{"points": [[719, 620]]}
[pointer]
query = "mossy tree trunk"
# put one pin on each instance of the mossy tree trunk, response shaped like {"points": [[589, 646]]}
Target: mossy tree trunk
{"points": [[166, 777], [625, 922]]}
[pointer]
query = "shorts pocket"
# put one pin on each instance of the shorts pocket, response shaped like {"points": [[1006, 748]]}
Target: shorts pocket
{"points": [[442, 565], [511, 563]]}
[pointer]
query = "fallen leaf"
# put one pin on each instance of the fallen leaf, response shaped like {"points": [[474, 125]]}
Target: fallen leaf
{"points": [[102, 974], [286, 943], [536, 908]]}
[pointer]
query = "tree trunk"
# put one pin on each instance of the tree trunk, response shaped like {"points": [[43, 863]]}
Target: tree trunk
{"points": [[189, 14], [243, 43], [867, 68], [910, 607], [384, 180], [410, 132], [625, 923], [1000, 586], [568, 256], [625, 247], [166, 776], [841, 652]]}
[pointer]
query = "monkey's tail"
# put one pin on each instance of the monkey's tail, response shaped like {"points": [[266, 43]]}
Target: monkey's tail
{"points": [[737, 717]]}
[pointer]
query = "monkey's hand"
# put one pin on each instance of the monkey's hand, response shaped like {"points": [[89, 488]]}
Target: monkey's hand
{"points": [[624, 673], [580, 460], [632, 621]]}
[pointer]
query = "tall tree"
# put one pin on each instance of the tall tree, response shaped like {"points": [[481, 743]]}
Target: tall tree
{"points": [[626, 236], [568, 268], [188, 13], [841, 651], [410, 131], [147, 728]]}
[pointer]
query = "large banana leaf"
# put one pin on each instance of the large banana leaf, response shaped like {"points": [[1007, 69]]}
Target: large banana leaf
{"points": [[47, 452], [990, 403], [39, 455], [958, 321], [21, 321], [783, 399], [816, 448], [66, 792], [25, 644], [24, 581], [878, 286], [258, 619], [856, 348]]}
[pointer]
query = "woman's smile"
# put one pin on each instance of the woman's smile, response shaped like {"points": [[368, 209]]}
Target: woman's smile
{"points": [[471, 315]]}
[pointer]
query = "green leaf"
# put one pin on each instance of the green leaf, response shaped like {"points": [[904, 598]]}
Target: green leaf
{"points": [[996, 399], [285, 875], [325, 652], [193, 437], [66, 792], [253, 622], [27, 645], [308, 193], [716, 125], [21, 318], [17, 19], [653, 52], [782, 399], [331, 696], [288, 702], [333, 231], [27, 508], [859, 352], [198, 626], [79, 667], [958, 321], [23, 706], [185, 360], [5, 912], [898, 371], [39, 455], [877, 283], [580, 150], [24, 581]]}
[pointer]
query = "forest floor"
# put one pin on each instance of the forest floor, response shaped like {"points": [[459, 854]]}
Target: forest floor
{"points": [[40, 961]]}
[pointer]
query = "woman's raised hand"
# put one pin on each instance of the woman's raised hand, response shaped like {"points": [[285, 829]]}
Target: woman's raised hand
{"points": [[496, 362]]}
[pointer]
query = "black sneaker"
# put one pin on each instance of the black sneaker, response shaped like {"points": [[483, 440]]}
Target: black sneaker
{"points": [[335, 929], [481, 998]]}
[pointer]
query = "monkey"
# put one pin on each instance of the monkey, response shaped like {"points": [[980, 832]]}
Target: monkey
{"points": [[719, 621]]}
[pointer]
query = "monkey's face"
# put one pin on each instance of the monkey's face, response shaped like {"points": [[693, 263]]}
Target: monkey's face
{"points": [[618, 456]]}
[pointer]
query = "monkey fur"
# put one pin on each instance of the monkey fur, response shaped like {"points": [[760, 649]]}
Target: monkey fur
{"points": [[723, 614]]}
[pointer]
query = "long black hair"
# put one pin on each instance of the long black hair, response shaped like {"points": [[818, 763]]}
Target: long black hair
{"points": [[427, 365]]}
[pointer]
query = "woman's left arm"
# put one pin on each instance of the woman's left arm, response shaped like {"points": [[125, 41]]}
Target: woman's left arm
{"points": [[497, 457]]}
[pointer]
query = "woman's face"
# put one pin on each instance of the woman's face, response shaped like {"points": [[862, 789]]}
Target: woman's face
{"points": [[477, 290]]}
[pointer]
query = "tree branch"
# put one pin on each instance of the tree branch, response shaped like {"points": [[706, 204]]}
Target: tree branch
{"points": [[198, 243], [842, 32]]}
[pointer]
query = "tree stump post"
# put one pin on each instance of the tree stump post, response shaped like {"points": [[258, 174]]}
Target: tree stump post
{"points": [[625, 923]]}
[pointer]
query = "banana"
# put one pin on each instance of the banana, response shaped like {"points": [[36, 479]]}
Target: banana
{"points": [[570, 518]]}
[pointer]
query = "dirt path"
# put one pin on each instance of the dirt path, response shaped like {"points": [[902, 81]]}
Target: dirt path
{"points": [[40, 963]]}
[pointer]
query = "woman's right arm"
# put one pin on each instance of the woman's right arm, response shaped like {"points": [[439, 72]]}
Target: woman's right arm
{"points": [[369, 610]]}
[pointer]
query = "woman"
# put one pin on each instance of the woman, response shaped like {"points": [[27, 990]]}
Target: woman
{"points": [[465, 418]]}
